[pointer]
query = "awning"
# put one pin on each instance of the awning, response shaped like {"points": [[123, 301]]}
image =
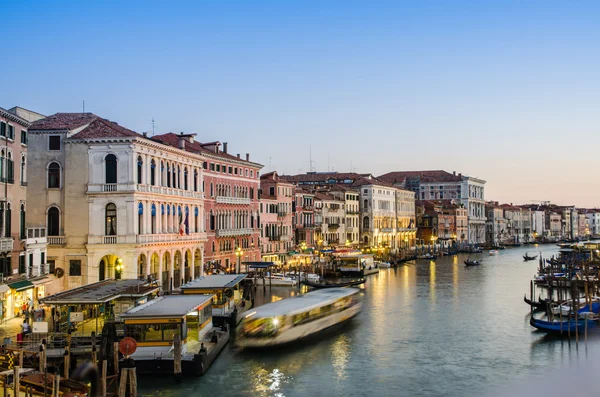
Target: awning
{"points": [[4, 288], [22, 285], [40, 281]]}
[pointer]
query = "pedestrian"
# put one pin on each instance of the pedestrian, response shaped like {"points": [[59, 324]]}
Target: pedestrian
{"points": [[24, 309], [26, 327], [56, 321]]}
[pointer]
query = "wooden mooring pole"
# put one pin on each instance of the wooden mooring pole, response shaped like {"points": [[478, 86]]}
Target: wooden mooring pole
{"points": [[177, 356], [16, 380], [103, 378]]}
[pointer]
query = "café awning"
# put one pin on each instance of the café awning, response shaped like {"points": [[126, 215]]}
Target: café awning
{"points": [[22, 285]]}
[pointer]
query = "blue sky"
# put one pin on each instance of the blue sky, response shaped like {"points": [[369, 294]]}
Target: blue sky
{"points": [[507, 91]]}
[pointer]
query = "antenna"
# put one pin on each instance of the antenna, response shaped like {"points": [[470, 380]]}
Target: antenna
{"points": [[310, 161], [84, 106], [152, 126]]}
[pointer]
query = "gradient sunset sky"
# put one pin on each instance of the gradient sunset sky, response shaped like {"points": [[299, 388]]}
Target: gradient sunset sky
{"points": [[507, 91]]}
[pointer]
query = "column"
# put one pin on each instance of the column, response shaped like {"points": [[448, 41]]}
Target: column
{"points": [[160, 268], [193, 263], [148, 270], [171, 269]]}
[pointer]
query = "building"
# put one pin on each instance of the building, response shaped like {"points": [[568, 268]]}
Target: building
{"points": [[496, 229], [330, 220], [231, 203], [441, 185], [351, 210], [133, 206], [593, 220], [276, 197], [303, 212]]}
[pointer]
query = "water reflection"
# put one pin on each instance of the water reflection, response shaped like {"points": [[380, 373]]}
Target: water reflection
{"points": [[432, 281], [340, 352]]}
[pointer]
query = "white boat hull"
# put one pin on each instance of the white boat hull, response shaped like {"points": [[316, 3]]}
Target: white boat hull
{"points": [[276, 282], [302, 331]]}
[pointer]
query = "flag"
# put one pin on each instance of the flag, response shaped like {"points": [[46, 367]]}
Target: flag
{"points": [[182, 223]]}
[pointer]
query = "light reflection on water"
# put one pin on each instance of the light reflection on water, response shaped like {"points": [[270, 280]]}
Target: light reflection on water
{"points": [[427, 329]]}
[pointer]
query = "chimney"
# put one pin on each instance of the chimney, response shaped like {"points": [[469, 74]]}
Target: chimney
{"points": [[181, 141], [459, 174], [145, 135], [454, 173], [224, 147], [247, 156], [238, 155]]}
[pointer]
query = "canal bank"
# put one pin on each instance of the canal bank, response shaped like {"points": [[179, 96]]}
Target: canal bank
{"points": [[427, 329]]}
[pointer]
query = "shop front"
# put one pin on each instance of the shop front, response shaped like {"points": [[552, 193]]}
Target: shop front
{"points": [[20, 296]]}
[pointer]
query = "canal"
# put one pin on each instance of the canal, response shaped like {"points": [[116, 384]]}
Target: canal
{"points": [[427, 329]]}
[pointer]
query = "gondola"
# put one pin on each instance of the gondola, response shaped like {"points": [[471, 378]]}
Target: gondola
{"points": [[470, 262], [529, 258], [541, 304], [333, 285], [557, 327]]}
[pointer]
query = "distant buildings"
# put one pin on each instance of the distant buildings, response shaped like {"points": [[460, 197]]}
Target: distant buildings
{"points": [[276, 218]]}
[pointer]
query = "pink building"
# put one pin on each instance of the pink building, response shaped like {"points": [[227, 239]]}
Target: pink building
{"points": [[276, 197], [304, 217], [231, 205]]}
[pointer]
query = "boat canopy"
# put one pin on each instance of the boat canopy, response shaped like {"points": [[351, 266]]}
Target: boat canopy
{"points": [[217, 281], [302, 303], [170, 306]]}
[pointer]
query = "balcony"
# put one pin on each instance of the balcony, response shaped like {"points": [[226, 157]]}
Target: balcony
{"points": [[232, 200], [233, 232], [333, 225], [56, 240], [387, 230], [162, 238], [307, 208], [6, 244], [36, 235], [351, 212], [281, 214]]}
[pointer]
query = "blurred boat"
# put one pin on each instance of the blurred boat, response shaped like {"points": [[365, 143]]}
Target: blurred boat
{"points": [[333, 285], [470, 262]]}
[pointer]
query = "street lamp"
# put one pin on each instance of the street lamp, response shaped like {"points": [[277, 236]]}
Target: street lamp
{"points": [[303, 246], [238, 254]]}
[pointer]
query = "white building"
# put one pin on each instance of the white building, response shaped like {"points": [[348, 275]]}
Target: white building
{"points": [[594, 222], [116, 204]]}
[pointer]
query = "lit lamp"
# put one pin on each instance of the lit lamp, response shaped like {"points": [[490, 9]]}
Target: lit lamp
{"points": [[303, 246], [118, 268], [238, 254]]}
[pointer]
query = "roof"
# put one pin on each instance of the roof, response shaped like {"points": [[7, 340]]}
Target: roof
{"points": [[62, 121], [101, 292], [372, 181], [167, 306], [21, 285], [323, 177], [396, 177], [215, 281], [301, 303], [7, 114], [102, 128]]}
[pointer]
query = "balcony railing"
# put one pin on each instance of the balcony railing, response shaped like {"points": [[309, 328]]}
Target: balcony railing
{"points": [[387, 230], [160, 238], [109, 239], [233, 232], [308, 207], [281, 214], [233, 200], [6, 243], [56, 240], [333, 225]]}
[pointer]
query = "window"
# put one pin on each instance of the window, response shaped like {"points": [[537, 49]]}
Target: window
{"points": [[54, 176], [8, 223], [22, 219], [22, 264], [140, 167], [152, 172], [185, 179], [75, 267], [205, 165], [23, 164], [271, 191], [2, 128], [11, 132], [195, 180], [111, 220], [230, 169], [212, 166], [54, 142], [218, 167], [251, 173], [53, 222], [24, 137], [110, 165]]}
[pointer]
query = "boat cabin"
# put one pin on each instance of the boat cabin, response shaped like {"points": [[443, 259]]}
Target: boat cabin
{"points": [[227, 290], [154, 324]]}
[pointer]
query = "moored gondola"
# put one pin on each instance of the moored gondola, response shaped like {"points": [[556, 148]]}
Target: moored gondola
{"points": [[541, 304], [526, 257], [333, 285], [557, 327]]}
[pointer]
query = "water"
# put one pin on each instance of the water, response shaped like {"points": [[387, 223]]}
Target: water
{"points": [[427, 329]]}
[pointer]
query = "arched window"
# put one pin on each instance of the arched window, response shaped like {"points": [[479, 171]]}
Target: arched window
{"points": [[53, 176], [196, 221], [168, 175], [153, 172], [2, 165], [366, 222], [22, 228], [140, 218], [23, 164], [178, 177], [53, 223], [110, 226], [153, 223], [110, 164], [140, 167], [185, 179], [195, 180]]}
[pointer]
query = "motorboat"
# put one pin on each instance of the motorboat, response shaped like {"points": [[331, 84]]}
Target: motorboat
{"points": [[383, 265], [471, 262], [277, 279], [298, 317], [334, 285], [493, 252]]}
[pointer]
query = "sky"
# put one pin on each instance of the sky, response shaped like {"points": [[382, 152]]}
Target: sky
{"points": [[506, 91]]}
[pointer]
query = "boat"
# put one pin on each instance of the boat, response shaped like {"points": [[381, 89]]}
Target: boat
{"points": [[333, 285], [356, 265], [558, 327], [294, 318], [493, 252], [427, 256], [470, 262], [566, 306], [383, 265], [526, 257], [541, 304], [277, 279], [155, 324]]}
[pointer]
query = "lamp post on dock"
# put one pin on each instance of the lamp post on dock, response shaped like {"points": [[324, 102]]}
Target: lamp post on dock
{"points": [[238, 254]]}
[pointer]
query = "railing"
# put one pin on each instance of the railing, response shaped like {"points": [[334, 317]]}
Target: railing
{"points": [[168, 190], [232, 200], [352, 212], [109, 239], [281, 214], [56, 240], [308, 207], [160, 238], [387, 230], [233, 232], [6, 243], [109, 187], [333, 225]]}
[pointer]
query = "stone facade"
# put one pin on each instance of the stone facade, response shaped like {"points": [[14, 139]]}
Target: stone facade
{"points": [[276, 198]]}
